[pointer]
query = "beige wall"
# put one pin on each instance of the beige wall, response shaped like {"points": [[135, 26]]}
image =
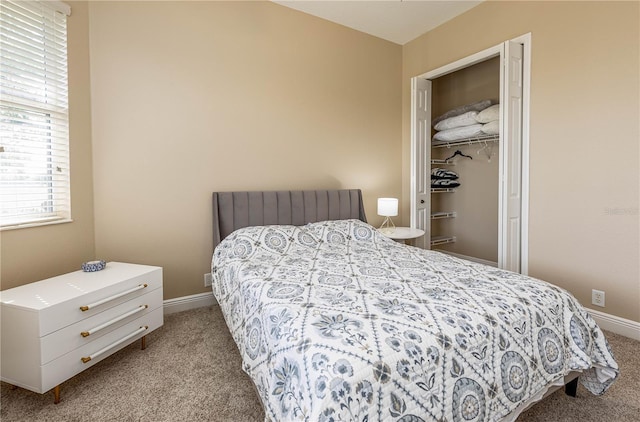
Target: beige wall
{"points": [[584, 179], [191, 98], [32, 254], [188, 99]]}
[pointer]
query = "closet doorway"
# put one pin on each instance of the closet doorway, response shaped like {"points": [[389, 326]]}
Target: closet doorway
{"points": [[501, 239]]}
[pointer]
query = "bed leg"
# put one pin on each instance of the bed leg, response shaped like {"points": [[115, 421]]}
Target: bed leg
{"points": [[571, 388]]}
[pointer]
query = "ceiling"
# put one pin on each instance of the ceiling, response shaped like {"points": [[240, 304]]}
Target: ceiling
{"points": [[397, 21]]}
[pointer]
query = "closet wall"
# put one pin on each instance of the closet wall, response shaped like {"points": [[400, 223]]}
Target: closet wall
{"points": [[476, 199]]}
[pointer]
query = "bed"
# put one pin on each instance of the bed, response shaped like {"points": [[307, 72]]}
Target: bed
{"points": [[335, 321]]}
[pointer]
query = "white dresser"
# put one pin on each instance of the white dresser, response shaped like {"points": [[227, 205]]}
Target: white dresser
{"points": [[55, 328]]}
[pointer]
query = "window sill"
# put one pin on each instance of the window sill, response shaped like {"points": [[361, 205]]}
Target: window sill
{"points": [[35, 224]]}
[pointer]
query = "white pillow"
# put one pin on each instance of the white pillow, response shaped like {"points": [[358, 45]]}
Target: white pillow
{"points": [[489, 114], [491, 128], [466, 119], [477, 106], [458, 133]]}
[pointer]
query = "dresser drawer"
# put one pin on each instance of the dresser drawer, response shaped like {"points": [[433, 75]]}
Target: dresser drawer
{"points": [[70, 364], [98, 300], [71, 337]]}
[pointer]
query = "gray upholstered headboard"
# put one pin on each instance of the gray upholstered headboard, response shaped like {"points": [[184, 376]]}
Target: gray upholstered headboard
{"points": [[234, 210]]}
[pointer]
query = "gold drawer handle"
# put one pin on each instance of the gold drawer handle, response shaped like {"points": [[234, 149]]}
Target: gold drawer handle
{"points": [[112, 345], [110, 298], [113, 321]]}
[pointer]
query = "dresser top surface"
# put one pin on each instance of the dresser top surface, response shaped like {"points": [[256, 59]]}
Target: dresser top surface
{"points": [[52, 291]]}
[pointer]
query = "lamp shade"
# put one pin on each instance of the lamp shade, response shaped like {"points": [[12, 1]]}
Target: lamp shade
{"points": [[388, 207]]}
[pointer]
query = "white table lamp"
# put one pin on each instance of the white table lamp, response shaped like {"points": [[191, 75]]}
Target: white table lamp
{"points": [[387, 207]]}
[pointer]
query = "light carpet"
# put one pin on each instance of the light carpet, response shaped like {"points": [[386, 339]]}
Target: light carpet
{"points": [[191, 371]]}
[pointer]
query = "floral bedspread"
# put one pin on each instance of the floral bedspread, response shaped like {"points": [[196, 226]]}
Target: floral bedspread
{"points": [[336, 322]]}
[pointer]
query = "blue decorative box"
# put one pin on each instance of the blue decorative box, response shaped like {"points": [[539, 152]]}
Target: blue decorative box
{"points": [[93, 266]]}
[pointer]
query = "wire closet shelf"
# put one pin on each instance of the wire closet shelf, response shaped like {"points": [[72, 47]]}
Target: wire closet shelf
{"points": [[466, 141]]}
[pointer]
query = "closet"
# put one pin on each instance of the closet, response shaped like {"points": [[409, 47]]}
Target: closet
{"points": [[464, 219], [485, 218]]}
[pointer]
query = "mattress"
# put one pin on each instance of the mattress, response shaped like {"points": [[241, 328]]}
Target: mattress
{"points": [[335, 321]]}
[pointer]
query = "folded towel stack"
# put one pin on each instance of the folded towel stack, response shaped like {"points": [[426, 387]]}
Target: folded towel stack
{"points": [[444, 183], [442, 178], [438, 173], [471, 120]]}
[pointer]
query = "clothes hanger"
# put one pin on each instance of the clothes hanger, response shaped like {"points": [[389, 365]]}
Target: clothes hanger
{"points": [[488, 150], [458, 152]]}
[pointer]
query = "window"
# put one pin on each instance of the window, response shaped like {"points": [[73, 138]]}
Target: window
{"points": [[34, 114]]}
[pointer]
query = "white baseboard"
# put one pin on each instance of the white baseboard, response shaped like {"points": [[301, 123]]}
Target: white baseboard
{"points": [[622, 326], [615, 324], [469, 258], [186, 303]]}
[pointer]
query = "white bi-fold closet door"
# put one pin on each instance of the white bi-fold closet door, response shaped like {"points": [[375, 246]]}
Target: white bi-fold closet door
{"points": [[511, 183]]}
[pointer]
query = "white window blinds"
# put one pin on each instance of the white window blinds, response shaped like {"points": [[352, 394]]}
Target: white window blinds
{"points": [[34, 116]]}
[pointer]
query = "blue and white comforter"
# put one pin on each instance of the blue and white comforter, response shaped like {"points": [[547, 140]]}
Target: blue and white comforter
{"points": [[336, 322]]}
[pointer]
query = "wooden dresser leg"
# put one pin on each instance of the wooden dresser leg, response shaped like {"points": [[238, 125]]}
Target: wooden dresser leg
{"points": [[143, 343], [56, 394]]}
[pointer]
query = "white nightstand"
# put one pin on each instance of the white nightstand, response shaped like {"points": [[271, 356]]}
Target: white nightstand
{"points": [[56, 328], [403, 233]]}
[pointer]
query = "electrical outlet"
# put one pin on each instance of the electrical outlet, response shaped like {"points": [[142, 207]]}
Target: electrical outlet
{"points": [[208, 279], [597, 297]]}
